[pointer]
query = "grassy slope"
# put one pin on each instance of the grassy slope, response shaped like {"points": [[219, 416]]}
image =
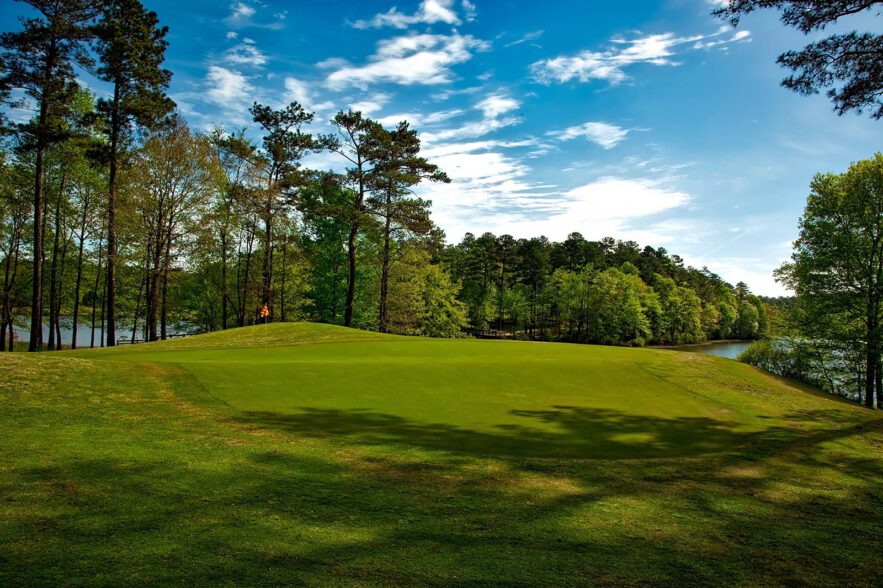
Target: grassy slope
{"points": [[257, 457]]}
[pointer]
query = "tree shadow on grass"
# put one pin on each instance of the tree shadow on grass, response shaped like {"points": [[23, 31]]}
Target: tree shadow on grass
{"points": [[281, 516], [568, 432]]}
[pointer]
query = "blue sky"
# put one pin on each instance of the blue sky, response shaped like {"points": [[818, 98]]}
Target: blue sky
{"points": [[638, 119]]}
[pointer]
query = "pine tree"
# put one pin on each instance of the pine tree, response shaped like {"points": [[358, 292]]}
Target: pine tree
{"points": [[399, 168], [847, 63], [41, 60], [284, 146], [131, 47]]}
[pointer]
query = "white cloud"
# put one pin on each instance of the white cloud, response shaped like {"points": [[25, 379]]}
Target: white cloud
{"points": [[371, 104], [299, 91], [245, 53], [228, 88], [241, 10], [429, 12], [407, 60], [242, 13], [418, 119], [532, 36], [492, 108], [604, 134], [497, 104], [610, 65], [470, 10], [232, 34], [609, 206]]}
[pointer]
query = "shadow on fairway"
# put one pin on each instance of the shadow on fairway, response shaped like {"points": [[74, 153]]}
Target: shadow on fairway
{"points": [[579, 433], [278, 517]]}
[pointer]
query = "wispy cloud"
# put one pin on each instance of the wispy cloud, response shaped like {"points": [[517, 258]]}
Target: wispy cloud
{"points": [[606, 135], [301, 92], [245, 53], [242, 16], [610, 65], [420, 120], [532, 36], [429, 12], [495, 110], [407, 60], [371, 104]]}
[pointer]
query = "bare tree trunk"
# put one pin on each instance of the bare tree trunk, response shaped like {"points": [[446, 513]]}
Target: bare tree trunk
{"points": [[8, 283], [79, 280], [384, 276], [351, 277], [872, 357], [224, 294], [267, 273], [282, 290], [37, 288], [142, 281], [59, 291], [95, 287], [153, 288], [103, 306], [164, 319], [243, 297], [110, 288], [54, 267]]}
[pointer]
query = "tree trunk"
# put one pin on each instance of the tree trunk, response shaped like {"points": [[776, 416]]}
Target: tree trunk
{"points": [[243, 296], [383, 325], [37, 288], [95, 287], [166, 269], [54, 267], [110, 287], [155, 256], [224, 279], [59, 291], [9, 274], [267, 272], [103, 306], [79, 279], [141, 284], [282, 289], [872, 361], [351, 277]]}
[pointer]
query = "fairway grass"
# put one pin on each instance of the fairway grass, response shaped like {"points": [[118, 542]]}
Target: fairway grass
{"points": [[315, 455]]}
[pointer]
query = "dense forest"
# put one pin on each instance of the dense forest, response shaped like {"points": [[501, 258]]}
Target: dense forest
{"points": [[117, 217]]}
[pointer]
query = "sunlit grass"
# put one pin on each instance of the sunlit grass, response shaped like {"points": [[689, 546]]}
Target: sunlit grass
{"points": [[313, 454]]}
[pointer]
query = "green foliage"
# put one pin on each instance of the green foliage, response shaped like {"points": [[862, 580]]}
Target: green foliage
{"points": [[848, 64], [621, 304], [684, 305], [837, 265], [423, 300]]}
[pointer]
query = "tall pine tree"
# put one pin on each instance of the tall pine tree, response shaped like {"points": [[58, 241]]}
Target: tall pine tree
{"points": [[41, 60], [131, 47]]}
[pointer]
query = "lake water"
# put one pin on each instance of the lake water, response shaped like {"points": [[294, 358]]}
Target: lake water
{"points": [[728, 349], [84, 333]]}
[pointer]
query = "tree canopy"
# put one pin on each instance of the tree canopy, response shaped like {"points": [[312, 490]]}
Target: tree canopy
{"points": [[849, 65]]}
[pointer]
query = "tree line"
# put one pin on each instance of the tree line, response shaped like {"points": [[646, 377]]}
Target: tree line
{"points": [[607, 291], [115, 214]]}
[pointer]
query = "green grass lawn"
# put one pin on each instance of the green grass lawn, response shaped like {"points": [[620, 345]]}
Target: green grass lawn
{"points": [[311, 454]]}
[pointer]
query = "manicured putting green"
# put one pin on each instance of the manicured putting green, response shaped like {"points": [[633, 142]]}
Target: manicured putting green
{"points": [[490, 398]]}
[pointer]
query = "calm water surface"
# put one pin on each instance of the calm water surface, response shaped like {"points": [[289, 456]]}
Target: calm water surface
{"points": [[730, 349]]}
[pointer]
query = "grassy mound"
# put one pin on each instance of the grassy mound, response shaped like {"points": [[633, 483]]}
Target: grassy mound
{"points": [[311, 454]]}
